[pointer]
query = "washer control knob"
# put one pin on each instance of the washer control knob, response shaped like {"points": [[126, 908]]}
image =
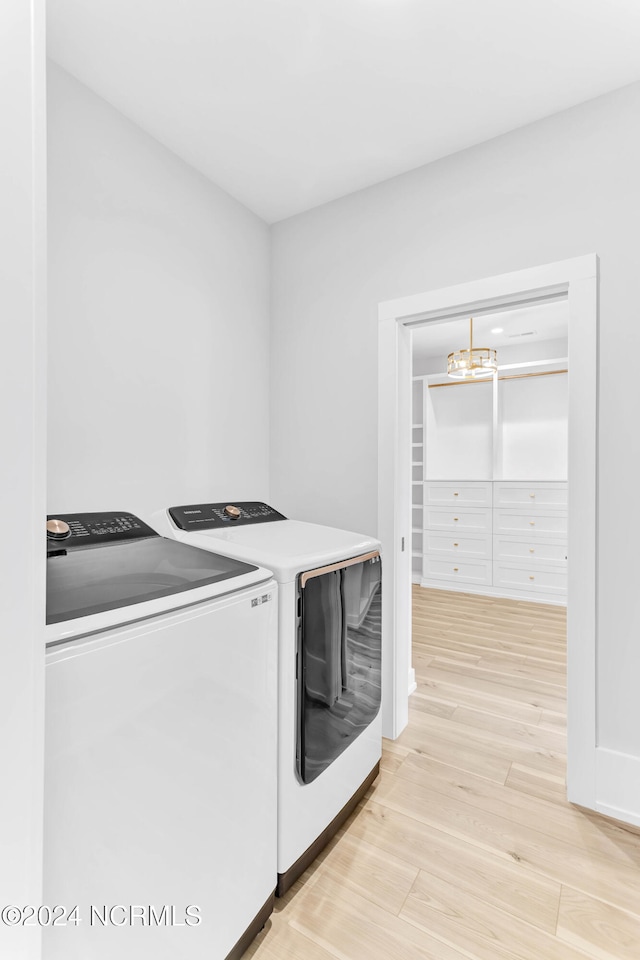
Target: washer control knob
{"points": [[58, 530], [232, 512]]}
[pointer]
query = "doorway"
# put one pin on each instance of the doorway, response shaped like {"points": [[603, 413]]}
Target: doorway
{"points": [[574, 282]]}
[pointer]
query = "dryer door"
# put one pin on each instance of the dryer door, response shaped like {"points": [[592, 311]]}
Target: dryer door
{"points": [[339, 654]]}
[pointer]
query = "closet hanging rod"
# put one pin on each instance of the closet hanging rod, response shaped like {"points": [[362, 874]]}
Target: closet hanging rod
{"points": [[512, 376]]}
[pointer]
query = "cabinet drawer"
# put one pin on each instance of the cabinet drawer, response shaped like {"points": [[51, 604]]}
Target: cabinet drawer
{"points": [[533, 550], [532, 523], [463, 571], [530, 496], [466, 521], [442, 493], [449, 545], [527, 577]]}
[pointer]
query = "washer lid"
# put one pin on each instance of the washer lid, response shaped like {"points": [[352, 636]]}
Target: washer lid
{"points": [[83, 583], [286, 547], [102, 564]]}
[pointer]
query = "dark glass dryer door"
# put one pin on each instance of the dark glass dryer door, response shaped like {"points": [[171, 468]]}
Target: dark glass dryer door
{"points": [[339, 657]]}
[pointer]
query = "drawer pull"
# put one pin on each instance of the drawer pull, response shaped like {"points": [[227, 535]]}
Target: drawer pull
{"points": [[531, 578], [455, 569], [455, 544], [532, 523], [532, 495], [456, 519], [455, 494], [531, 550]]}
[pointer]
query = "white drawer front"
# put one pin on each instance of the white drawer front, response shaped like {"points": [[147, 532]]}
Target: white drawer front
{"points": [[532, 523], [463, 571], [530, 578], [464, 521], [538, 551], [530, 496], [440, 545], [470, 494]]}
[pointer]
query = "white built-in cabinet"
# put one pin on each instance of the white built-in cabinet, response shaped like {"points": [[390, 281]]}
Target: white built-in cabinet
{"points": [[489, 488]]}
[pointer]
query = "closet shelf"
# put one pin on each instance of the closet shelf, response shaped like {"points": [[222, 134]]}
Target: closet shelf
{"points": [[484, 533]]}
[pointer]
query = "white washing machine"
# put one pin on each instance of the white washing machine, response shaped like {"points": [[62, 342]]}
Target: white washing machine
{"points": [[160, 745], [329, 676]]}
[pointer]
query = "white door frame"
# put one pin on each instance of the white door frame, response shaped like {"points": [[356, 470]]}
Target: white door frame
{"points": [[579, 279]]}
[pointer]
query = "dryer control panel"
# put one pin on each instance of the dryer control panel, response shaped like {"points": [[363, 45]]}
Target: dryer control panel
{"points": [[212, 516]]}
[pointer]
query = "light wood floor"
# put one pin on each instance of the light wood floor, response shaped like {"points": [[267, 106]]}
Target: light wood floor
{"points": [[465, 847]]}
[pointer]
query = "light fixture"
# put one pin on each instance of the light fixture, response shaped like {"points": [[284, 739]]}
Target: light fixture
{"points": [[473, 363]]}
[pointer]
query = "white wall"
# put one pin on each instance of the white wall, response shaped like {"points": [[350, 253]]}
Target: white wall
{"points": [[158, 321], [22, 479], [553, 190]]}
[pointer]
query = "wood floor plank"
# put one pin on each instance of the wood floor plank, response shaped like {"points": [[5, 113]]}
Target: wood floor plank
{"points": [[553, 721], [486, 620], [494, 879], [531, 734], [490, 635], [470, 924], [612, 879], [284, 942], [486, 746], [424, 654], [511, 680], [437, 708], [491, 687], [535, 783], [600, 930], [451, 693], [384, 879], [348, 925], [507, 650], [602, 841], [389, 763], [394, 748], [529, 666], [487, 764]]}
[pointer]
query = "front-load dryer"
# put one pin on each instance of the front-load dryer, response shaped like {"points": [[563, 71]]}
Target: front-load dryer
{"points": [[329, 658]]}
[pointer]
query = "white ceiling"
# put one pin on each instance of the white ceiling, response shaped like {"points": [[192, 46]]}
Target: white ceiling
{"points": [[287, 104], [530, 325]]}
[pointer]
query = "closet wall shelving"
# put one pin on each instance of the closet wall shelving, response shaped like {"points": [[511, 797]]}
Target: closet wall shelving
{"points": [[489, 491], [417, 477]]}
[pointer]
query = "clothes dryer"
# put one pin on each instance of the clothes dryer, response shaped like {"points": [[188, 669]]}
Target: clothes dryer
{"points": [[329, 660]]}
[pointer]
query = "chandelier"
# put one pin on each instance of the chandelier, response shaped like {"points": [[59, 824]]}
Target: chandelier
{"points": [[473, 363]]}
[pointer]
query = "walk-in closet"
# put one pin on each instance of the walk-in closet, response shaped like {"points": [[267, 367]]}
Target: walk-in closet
{"points": [[489, 456]]}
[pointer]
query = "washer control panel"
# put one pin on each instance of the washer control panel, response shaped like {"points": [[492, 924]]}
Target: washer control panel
{"points": [[212, 516], [71, 530]]}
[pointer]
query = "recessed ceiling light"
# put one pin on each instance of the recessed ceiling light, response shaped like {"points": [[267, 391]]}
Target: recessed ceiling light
{"points": [[498, 330]]}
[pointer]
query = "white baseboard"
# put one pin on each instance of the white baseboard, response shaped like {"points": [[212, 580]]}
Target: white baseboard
{"points": [[413, 686], [484, 591], [618, 785]]}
